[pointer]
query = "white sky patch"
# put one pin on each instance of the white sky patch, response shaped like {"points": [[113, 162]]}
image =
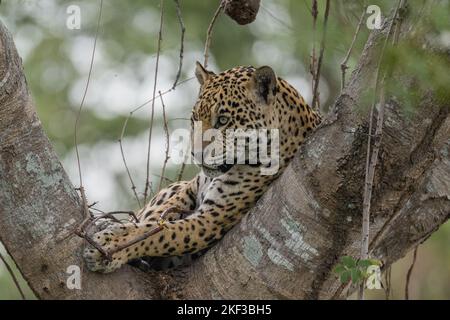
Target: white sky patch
{"points": [[26, 39], [278, 21], [54, 77], [302, 85], [102, 162], [79, 49], [143, 17], [120, 90]]}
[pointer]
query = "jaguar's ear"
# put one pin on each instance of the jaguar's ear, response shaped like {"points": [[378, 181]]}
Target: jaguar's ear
{"points": [[201, 73], [264, 84]]}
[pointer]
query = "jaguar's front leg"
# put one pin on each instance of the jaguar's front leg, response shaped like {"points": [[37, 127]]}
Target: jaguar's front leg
{"points": [[121, 243], [109, 240], [192, 234], [170, 204]]}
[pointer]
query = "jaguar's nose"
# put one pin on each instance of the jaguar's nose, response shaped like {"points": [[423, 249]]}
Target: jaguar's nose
{"points": [[225, 167]]}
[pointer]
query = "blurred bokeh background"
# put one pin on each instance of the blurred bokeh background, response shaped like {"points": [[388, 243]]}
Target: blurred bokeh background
{"points": [[56, 61]]}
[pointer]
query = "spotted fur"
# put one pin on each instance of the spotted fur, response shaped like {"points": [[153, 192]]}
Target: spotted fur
{"points": [[216, 199]]}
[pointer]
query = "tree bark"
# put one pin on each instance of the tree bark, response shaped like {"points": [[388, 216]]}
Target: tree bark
{"points": [[38, 204], [285, 247]]}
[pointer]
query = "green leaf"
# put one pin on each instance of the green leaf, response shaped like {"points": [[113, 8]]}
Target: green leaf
{"points": [[339, 268], [349, 262], [345, 276], [356, 275], [375, 262], [364, 264]]}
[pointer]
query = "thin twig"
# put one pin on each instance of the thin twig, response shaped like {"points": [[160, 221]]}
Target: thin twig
{"points": [[133, 186], [176, 83], [183, 31], [13, 276], [344, 66], [372, 156], [103, 216], [93, 204], [371, 162], [388, 281], [96, 209], [176, 119], [165, 178], [128, 212], [86, 213], [410, 270], [420, 13], [163, 93], [209, 32], [315, 101], [166, 132], [109, 253], [77, 120], [155, 80], [140, 238], [398, 25], [84, 231], [93, 243], [158, 228], [181, 172], [306, 6], [366, 201], [337, 294], [312, 63], [275, 18], [124, 128]]}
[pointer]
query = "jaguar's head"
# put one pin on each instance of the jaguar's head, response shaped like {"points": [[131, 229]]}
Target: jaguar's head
{"points": [[232, 108]]}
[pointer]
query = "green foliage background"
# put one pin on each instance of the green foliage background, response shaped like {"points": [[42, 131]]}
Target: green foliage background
{"points": [[56, 62]]}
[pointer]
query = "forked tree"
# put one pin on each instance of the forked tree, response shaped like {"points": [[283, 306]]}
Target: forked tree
{"points": [[287, 246]]}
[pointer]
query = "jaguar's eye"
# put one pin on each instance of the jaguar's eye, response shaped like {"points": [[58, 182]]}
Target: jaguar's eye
{"points": [[222, 120]]}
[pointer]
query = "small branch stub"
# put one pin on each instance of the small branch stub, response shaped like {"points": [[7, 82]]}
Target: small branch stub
{"points": [[242, 11]]}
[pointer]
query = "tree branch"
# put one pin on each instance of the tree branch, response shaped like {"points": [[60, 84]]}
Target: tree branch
{"points": [[38, 203]]}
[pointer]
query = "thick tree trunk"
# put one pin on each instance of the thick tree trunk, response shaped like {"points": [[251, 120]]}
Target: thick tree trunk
{"points": [[285, 247], [38, 204]]}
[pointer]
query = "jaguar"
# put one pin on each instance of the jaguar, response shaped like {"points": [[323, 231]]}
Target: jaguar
{"points": [[193, 215]]}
